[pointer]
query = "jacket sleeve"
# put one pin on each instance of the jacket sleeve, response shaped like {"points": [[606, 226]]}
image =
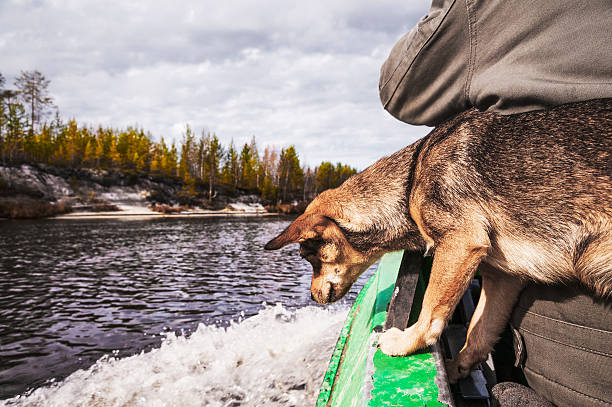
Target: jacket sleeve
{"points": [[425, 78]]}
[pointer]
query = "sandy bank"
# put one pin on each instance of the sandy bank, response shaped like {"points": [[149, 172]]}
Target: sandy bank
{"points": [[141, 212]]}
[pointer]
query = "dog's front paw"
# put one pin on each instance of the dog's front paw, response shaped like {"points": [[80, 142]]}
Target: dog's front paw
{"points": [[455, 370], [394, 342]]}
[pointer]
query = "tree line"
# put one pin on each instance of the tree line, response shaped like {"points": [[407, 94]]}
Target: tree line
{"points": [[33, 132]]}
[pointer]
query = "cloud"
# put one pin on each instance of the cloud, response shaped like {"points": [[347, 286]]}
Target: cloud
{"points": [[289, 73]]}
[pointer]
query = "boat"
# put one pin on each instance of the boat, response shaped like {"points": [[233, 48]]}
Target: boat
{"points": [[359, 374]]}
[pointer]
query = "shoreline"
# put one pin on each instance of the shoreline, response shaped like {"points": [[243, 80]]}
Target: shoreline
{"points": [[142, 213], [146, 213]]}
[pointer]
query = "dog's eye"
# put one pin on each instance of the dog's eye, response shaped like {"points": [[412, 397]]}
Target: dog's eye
{"points": [[305, 252], [310, 248]]}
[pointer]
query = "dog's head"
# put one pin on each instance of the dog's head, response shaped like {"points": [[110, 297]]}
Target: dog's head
{"points": [[346, 229], [336, 265]]}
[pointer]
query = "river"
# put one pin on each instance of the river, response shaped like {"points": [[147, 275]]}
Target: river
{"points": [[159, 312]]}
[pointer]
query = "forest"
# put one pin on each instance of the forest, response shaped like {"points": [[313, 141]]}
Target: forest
{"points": [[33, 132]]}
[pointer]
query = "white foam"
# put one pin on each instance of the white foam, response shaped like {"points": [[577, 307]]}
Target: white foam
{"points": [[276, 358]]}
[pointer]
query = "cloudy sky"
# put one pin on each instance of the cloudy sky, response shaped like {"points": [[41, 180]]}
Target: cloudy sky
{"points": [[303, 73]]}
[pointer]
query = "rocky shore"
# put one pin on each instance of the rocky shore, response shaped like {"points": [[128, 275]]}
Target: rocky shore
{"points": [[34, 191]]}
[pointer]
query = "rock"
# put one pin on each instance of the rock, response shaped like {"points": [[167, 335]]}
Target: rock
{"points": [[32, 182]]}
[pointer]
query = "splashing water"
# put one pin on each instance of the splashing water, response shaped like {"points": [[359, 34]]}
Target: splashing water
{"points": [[275, 358]]}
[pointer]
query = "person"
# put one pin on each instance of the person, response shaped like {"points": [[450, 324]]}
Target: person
{"points": [[512, 56], [506, 56]]}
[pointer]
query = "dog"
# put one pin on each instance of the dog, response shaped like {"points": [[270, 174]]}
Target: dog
{"points": [[518, 197]]}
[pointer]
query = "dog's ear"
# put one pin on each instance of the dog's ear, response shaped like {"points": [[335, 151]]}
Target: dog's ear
{"points": [[307, 226]]}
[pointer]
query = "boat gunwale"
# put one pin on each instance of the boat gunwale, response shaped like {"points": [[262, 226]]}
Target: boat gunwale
{"points": [[333, 371]]}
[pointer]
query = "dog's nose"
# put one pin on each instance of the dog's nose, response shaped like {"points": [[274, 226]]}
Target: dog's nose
{"points": [[312, 297]]}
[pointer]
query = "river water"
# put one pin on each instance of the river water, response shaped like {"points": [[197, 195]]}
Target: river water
{"points": [[159, 312]]}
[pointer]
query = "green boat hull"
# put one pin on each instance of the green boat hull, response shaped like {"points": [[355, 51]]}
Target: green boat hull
{"points": [[359, 374]]}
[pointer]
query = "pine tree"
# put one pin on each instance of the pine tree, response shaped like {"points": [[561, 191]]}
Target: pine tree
{"points": [[142, 151], [324, 176], [16, 122], [246, 170], [114, 158], [165, 157], [291, 177], [155, 167], [33, 90], [44, 144], [269, 191], [268, 168], [172, 161], [255, 165], [186, 162], [71, 138], [89, 157], [99, 153], [212, 154], [231, 168]]}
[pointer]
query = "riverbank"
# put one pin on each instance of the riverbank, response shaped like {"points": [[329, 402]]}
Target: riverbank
{"points": [[140, 212], [41, 191]]}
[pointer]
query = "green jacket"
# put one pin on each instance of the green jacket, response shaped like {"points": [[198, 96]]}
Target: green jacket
{"points": [[507, 56]]}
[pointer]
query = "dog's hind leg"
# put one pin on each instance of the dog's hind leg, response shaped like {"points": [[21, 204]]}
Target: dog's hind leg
{"points": [[497, 298], [455, 262]]}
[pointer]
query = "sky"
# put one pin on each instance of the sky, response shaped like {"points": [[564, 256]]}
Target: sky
{"points": [[302, 73]]}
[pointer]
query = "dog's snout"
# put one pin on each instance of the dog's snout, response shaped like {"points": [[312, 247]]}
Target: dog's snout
{"points": [[325, 295]]}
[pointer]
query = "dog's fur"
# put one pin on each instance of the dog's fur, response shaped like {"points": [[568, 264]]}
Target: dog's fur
{"points": [[525, 196]]}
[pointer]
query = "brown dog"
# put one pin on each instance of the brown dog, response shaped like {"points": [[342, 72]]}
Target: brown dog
{"points": [[526, 196]]}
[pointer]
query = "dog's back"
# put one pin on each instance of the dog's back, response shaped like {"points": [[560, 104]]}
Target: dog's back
{"points": [[542, 181]]}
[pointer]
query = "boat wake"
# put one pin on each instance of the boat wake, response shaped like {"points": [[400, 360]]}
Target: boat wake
{"points": [[275, 358]]}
